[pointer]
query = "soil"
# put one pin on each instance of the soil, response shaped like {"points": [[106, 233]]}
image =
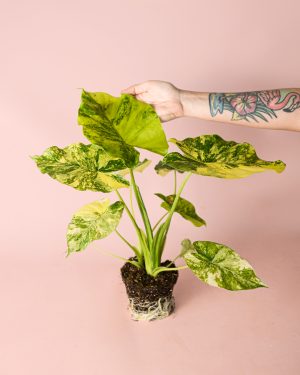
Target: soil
{"points": [[142, 287]]}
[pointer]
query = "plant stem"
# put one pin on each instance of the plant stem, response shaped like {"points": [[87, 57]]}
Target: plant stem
{"points": [[163, 269], [185, 180], [163, 230], [172, 261], [175, 182], [138, 230], [142, 209], [131, 203], [175, 189], [128, 211], [126, 260], [160, 221], [135, 250]]}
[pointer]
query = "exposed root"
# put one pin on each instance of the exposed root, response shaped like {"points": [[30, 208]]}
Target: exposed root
{"points": [[145, 310]]}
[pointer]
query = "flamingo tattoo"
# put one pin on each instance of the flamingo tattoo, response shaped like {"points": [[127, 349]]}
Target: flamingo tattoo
{"points": [[271, 99]]}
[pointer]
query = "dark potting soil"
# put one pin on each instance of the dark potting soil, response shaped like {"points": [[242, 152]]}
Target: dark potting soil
{"points": [[143, 287]]}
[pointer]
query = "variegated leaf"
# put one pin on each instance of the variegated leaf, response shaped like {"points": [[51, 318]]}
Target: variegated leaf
{"points": [[211, 155], [119, 124], [220, 266], [185, 208], [84, 167], [92, 222]]}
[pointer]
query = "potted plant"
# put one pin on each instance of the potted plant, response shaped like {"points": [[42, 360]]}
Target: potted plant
{"points": [[116, 127]]}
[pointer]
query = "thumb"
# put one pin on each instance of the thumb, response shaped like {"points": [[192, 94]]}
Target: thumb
{"points": [[134, 90]]}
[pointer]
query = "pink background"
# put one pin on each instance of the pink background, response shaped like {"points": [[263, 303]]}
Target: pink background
{"points": [[68, 316]]}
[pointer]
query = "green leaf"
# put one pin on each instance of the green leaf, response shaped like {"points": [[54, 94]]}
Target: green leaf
{"points": [[185, 208], [170, 163], [91, 222], [84, 167], [220, 266], [211, 155], [119, 124], [138, 168]]}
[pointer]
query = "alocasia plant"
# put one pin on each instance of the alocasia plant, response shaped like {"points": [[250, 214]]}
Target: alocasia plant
{"points": [[116, 127]]}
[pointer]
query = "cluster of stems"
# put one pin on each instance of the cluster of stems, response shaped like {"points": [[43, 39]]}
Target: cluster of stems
{"points": [[151, 238]]}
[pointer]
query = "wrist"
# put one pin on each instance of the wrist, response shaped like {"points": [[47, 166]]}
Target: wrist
{"points": [[191, 102], [183, 101]]}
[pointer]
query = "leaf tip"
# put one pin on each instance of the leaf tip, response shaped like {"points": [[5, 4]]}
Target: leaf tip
{"points": [[263, 285], [280, 166], [173, 140]]}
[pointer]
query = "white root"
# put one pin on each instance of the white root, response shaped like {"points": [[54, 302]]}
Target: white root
{"points": [[148, 311]]}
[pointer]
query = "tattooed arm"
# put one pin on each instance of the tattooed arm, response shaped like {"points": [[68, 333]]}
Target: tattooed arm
{"points": [[272, 109]]}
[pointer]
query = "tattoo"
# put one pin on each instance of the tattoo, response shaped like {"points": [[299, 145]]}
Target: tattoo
{"points": [[254, 105]]}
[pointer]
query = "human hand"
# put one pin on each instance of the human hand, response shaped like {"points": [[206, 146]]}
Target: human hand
{"points": [[163, 96]]}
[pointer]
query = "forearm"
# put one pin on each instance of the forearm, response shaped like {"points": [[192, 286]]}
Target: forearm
{"points": [[273, 109]]}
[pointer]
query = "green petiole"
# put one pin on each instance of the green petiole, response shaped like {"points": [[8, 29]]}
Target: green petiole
{"points": [[135, 250], [142, 209], [163, 230], [159, 221]]}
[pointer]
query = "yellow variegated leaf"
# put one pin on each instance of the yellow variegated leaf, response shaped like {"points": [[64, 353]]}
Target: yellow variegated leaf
{"points": [[211, 155], [220, 266], [92, 222], [84, 167], [119, 124], [185, 208]]}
